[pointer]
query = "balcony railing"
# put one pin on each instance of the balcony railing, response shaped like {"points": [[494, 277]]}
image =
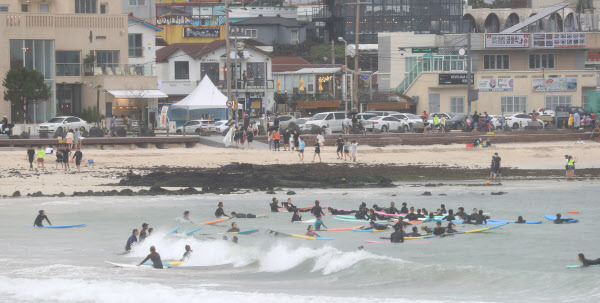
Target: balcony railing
{"points": [[110, 69], [136, 52], [250, 84], [68, 69]]}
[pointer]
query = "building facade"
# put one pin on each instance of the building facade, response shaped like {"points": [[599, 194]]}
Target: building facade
{"points": [[269, 30], [512, 72], [81, 48], [182, 66]]}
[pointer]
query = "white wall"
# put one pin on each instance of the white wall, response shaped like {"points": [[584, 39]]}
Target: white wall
{"points": [[148, 44]]}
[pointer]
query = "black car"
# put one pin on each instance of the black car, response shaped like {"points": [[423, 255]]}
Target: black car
{"points": [[456, 122]]}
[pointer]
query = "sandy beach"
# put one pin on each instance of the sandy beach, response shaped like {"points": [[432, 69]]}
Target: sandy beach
{"points": [[111, 165]]}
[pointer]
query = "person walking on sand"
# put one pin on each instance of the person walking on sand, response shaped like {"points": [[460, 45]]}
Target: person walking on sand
{"points": [[354, 150], [317, 150], [340, 147], [301, 145], [286, 139], [30, 156], [276, 138], [59, 160], [495, 169], [65, 157], [346, 149], [296, 140], [70, 139], [443, 123], [77, 156], [571, 168], [321, 140], [41, 154], [249, 138]]}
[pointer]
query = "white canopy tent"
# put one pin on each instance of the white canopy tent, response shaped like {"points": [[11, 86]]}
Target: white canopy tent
{"points": [[205, 96]]}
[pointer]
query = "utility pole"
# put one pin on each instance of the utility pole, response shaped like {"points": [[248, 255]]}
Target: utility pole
{"points": [[355, 104], [469, 72], [345, 80], [98, 87], [228, 58], [332, 52]]}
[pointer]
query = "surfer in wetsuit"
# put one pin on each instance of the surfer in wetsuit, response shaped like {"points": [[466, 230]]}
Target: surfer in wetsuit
{"points": [[461, 213], [586, 262], [450, 216], [560, 220], [274, 205], [376, 226], [450, 229], [426, 230], [234, 228], [397, 236], [393, 209], [412, 216], [404, 209], [319, 222], [40, 218], [311, 233], [439, 230], [362, 214], [296, 216], [246, 216], [143, 233], [186, 216], [187, 254], [520, 220], [340, 212], [316, 210], [289, 206], [220, 212], [132, 239], [415, 232], [154, 257], [480, 218]]}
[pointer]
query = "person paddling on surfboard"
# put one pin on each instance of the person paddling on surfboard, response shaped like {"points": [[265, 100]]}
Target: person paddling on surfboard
{"points": [[375, 226], [415, 232], [154, 257], [40, 218], [586, 262], [187, 254], [246, 216], [439, 230], [220, 212], [132, 239], [311, 233], [560, 220], [234, 228]]}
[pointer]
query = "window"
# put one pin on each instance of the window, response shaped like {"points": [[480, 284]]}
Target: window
{"points": [[537, 61], [256, 70], [44, 8], [294, 39], [553, 101], [182, 70], [3, 8], [33, 54], [252, 33], [137, 2], [513, 104], [104, 8], [135, 46], [107, 58], [457, 105], [495, 62], [329, 117], [85, 6], [68, 63], [24, 8], [339, 116]]}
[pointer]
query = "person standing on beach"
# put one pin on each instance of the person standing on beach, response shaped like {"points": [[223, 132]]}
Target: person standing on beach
{"points": [[443, 123], [59, 160], [77, 156], [30, 155], [270, 139], [571, 168], [296, 140], [249, 138], [321, 140], [301, 145], [276, 138], [495, 169], [65, 157], [317, 150], [41, 154], [286, 139], [354, 150], [436, 123], [346, 149], [340, 147]]}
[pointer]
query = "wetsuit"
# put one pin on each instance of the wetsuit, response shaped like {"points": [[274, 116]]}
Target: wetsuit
{"points": [[30, 154], [450, 230], [155, 258], [318, 224], [361, 215], [461, 214], [404, 210], [246, 216], [480, 219], [233, 230], [274, 207], [317, 210], [130, 241], [428, 230], [77, 156], [296, 217], [521, 221], [341, 212], [143, 235], [449, 218], [412, 217], [393, 210], [443, 210], [39, 219], [439, 231], [415, 234], [186, 255], [561, 221], [397, 237], [219, 212], [377, 227], [289, 206], [587, 262]]}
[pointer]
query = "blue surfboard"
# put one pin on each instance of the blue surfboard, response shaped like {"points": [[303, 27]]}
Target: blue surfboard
{"points": [[193, 231], [553, 217], [173, 230], [61, 226]]}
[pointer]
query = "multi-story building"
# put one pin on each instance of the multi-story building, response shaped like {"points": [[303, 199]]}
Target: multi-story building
{"points": [[81, 48], [270, 30], [143, 9], [378, 16], [513, 72], [181, 66]]}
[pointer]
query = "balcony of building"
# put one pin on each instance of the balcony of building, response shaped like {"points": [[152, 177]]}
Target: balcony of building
{"points": [[62, 21]]}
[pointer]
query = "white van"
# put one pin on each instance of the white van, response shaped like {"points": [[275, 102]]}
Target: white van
{"points": [[331, 120], [382, 113]]}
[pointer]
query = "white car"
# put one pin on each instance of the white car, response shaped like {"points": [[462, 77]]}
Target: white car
{"points": [[383, 123], [496, 121], [382, 113], [219, 126], [63, 124], [331, 120], [408, 120], [301, 121], [193, 126], [517, 121]]}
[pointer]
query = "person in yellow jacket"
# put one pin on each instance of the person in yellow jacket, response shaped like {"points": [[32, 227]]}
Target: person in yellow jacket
{"points": [[570, 122]]}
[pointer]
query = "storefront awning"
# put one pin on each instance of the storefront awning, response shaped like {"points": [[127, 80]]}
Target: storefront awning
{"points": [[137, 93]]}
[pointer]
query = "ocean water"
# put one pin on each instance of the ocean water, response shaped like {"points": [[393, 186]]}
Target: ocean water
{"points": [[514, 263]]}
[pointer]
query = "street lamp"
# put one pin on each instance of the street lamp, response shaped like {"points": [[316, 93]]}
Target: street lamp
{"points": [[345, 69]]}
